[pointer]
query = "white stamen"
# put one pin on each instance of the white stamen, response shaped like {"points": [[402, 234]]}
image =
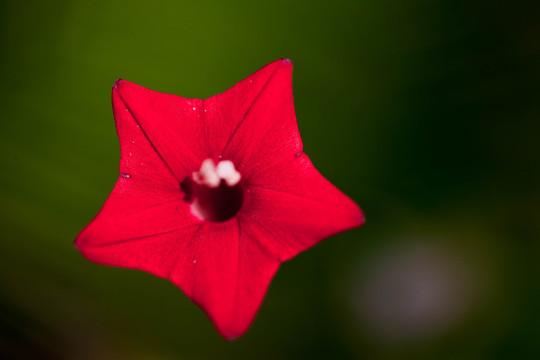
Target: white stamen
{"points": [[207, 175], [226, 171], [211, 176]]}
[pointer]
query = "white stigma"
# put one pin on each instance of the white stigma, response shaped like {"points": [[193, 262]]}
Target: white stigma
{"points": [[211, 175]]}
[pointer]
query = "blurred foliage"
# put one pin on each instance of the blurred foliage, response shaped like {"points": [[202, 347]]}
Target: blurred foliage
{"points": [[424, 112]]}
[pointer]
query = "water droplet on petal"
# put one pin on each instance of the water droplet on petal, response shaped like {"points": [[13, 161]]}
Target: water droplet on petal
{"points": [[133, 141], [194, 261], [298, 153], [194, 108], [130, 153], [124, 175]]}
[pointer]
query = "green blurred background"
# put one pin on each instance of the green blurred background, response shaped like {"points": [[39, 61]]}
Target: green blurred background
{"points": [[424, 112]]}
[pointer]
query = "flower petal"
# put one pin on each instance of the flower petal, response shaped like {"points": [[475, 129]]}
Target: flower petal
{"points": [[227, 276], [173, 125], [263, 127], [145, 220], [294, 207]]}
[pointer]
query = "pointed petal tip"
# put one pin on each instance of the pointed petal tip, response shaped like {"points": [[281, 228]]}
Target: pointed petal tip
{"points": [[233, 329], [78, 243], [286, 61], [359, 216], [232, 335], [117, 83], [230, 338], [362, 218]]}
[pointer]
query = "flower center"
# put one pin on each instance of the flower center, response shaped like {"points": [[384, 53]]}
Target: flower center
{"points": [[214, 191]]}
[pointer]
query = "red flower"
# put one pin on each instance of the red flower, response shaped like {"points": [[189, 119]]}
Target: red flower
{"points": [[214, 194]]}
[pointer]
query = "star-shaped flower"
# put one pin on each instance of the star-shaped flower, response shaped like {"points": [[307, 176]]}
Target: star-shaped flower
{"points": [[215, 194]]}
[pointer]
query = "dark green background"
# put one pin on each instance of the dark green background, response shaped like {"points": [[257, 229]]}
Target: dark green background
{"points": [[424, 112]]}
